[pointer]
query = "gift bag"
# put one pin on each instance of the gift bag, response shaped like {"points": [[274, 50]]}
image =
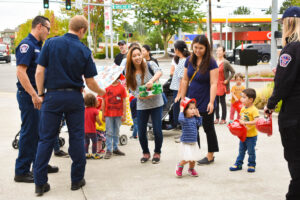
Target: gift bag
{"points": [[128, 121]]}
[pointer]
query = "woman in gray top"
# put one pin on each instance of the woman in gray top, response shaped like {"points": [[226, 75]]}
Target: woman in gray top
{"points": [[138, 72]]}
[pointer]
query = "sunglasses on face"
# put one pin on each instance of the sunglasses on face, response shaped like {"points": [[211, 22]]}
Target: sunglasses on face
{"points": [[48, 28]]}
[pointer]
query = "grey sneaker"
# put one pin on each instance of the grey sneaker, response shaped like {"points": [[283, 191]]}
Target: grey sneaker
{"points": [[118, 152], [108, 155]]}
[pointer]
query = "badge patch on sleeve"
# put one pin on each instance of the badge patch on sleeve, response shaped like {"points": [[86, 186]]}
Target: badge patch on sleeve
{"points": [[24, 48], [285, 59]]}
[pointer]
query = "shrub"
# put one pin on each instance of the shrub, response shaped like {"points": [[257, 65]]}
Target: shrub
{"points": [[102, 54], [262, 96]]}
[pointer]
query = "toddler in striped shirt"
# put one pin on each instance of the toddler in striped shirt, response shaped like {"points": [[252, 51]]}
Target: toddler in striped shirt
{"points": [[190, 120]]}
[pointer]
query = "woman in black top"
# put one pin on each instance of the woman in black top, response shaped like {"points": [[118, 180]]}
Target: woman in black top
{"points": [[147, 55]]}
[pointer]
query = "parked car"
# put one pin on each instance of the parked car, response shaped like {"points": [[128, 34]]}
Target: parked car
{"points": [[264, 52], [4, 52]]}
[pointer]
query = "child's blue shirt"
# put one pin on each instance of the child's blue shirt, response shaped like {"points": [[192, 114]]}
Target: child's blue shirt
{"points": [[189, 128]]}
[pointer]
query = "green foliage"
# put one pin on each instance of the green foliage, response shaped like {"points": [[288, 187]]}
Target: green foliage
{"points": [[163, 14], [242, 10], [58, 27], [102, 54], [154, 38], [262, 96]]}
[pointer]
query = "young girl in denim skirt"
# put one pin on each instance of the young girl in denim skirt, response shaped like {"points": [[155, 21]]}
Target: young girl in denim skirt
{"points": [[190, 120]]}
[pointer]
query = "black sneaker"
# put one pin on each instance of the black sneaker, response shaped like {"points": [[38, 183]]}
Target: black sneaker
{"points": [[26, 178], [78, 185], [52, 169], [118, 152], [205, 161], [41, 189], [62, 154], [132, 137]]}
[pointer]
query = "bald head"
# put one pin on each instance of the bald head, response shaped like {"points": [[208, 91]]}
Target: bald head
{"points": [[77, 23]]}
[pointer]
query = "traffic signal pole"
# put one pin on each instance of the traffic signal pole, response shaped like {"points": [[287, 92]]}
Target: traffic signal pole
{"points": [[274, 27]]}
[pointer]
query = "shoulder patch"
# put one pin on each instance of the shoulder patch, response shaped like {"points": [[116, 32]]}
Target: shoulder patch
{"points": [[284, 60], [24, 48]]}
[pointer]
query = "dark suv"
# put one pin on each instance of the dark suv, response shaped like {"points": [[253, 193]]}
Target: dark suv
{"points": [[4, 52], [264, 52]]}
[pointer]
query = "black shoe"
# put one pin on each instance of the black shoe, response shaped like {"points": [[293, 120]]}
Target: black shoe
{"points": [[205, 161], [78, 185], [26, 178], [52, 169], [62, 154], [41, 189], [131, 128], [118, 152]]}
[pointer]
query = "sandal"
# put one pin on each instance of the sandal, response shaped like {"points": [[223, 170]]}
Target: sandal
{"points": [[216, 121], [156, 158], [222, 121], [145, 158]]}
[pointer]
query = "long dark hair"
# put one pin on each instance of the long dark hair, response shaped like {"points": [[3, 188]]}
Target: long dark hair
{"points": [[130, 69], [147, 47], [204, 65], [181, 46]]}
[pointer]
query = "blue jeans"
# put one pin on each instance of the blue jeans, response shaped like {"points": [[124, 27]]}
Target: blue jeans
{"points": [[28, 134], [112, 132], [176, 109], [248, 145], [54, 105], [135, 127], [156, 117]]}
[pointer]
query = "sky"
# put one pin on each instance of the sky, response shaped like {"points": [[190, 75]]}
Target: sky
{"points": [[16, 12]]}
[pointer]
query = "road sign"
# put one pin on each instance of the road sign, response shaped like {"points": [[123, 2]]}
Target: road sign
{"points": [[121, 6], [78, 4]]}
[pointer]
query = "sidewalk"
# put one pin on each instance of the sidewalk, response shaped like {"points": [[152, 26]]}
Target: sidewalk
{"points": [[125, 178]]}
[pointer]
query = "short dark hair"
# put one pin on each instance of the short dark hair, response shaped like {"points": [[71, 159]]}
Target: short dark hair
{"points": [[39, 20], [184, 111], [250, 93]]}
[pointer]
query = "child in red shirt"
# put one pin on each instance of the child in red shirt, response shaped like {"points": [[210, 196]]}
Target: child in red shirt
{"points": [[114, 109], [91, 116]]}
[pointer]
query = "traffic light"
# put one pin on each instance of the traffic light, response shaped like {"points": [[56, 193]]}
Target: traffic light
{"points": [[68, 5], [127, 35], [46, 4]]}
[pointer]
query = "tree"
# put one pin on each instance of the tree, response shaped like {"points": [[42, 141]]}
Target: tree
{"points": [[164, 14], [96, 19], [288, 3], [242, 10], [58, 27]]}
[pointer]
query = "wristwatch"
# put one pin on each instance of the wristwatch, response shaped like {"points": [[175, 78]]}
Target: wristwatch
{"points": [[41, 95]]}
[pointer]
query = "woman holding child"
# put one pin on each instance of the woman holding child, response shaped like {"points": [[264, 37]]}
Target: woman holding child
{"points": [[139, 73]]}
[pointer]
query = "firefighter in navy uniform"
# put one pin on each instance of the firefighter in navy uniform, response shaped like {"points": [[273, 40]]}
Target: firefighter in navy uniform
{"points": [[27, 54], [62, 64], [287, 89]]}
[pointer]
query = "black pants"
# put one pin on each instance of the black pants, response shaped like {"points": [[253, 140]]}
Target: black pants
{"points": [[223, 105], [289, 127], [209, 129]]}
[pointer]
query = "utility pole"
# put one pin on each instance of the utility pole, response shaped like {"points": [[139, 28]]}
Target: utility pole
{"points": [[89, 20], [111, 32], [274, 27], [210, 25]]}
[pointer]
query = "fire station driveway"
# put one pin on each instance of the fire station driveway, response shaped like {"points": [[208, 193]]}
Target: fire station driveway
{"points": [[125, 178]]}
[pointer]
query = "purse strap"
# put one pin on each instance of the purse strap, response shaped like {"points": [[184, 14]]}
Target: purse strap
{"points": [[193, 76]]}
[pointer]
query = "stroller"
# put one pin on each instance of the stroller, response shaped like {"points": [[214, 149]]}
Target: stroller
{"points": [[61, 141], [167, 115]]}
